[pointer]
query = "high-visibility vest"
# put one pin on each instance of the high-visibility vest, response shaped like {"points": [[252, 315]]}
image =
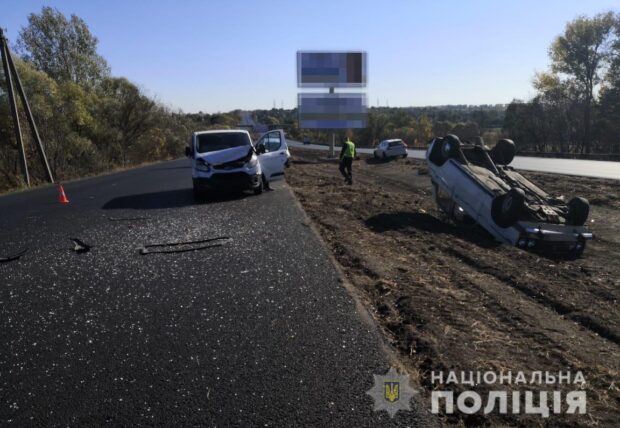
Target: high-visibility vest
{"points": [[349, 151]]}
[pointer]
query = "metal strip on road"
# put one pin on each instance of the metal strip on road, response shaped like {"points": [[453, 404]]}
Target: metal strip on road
{"points": [[578, 167]]}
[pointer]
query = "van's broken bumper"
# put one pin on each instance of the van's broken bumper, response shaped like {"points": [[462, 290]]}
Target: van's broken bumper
{"points": [[228, 181]]}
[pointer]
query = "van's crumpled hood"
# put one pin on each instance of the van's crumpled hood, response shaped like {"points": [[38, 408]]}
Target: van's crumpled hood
{"points": [[226, 155]]}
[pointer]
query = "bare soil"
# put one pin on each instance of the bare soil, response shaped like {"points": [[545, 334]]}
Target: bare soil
{"points": [[450, 298]]}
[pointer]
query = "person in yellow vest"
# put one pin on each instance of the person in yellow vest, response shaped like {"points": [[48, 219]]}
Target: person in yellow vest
{"points": [[347, 154]]}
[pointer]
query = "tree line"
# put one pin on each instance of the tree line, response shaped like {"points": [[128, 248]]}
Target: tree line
{"points": [[576, 109], [89, 121], [415, 125], [577, 105]]}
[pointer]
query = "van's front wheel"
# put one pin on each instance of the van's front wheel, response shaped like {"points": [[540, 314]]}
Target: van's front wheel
{"points": [[198, 193]]}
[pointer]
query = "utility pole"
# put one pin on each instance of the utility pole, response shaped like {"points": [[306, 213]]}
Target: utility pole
{"points": [[10, 72], [13, 105]]}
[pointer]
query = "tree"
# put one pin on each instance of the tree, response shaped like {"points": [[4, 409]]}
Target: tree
{"points": [[376, 128], [466, 131], [64, 49], [124, 116], [527, 125], [581, 53], [442, 127]]}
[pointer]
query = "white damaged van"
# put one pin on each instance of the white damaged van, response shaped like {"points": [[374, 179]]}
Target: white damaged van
{"points": [[228, 160]]}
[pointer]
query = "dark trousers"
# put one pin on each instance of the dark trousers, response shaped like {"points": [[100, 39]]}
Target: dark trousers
{"points": [[346, 170]]}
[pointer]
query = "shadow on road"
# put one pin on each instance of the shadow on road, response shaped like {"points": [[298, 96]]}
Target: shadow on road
{"points": [[164, 199], [172, 167], [402, 221]]}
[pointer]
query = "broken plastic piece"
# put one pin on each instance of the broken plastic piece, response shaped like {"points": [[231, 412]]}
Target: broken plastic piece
{"points": [[128, 218], [80, 247], [212, 243], [13, 256]]}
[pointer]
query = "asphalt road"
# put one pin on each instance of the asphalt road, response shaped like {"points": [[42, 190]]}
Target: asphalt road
{"points": [[578, 167], [257, 331]]}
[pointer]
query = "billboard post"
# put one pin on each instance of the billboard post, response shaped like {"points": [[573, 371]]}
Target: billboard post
{"points": [[332, 144]]}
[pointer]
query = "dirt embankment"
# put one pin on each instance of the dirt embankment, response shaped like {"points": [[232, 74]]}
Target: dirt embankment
{"points": [[450, 298]]}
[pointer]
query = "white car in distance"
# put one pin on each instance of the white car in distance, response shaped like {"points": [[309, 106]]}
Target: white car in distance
{"points": [[390, 149]]}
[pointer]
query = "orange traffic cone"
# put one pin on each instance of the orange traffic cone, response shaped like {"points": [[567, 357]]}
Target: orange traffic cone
{"points": [[62, 198]]}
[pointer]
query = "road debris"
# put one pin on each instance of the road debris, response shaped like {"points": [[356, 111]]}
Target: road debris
{"points": [[128, 218], [80, 246], [13, 256], [185, 246]]}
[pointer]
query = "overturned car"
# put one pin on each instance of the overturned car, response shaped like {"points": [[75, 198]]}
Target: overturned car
{"points": [[472, 183]]}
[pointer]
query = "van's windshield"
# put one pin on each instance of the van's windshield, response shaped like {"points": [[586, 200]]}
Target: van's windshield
{"points": [[225, 140]]}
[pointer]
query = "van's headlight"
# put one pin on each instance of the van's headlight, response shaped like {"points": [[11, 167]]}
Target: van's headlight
{"points": [[252, 162], [203, 165]]}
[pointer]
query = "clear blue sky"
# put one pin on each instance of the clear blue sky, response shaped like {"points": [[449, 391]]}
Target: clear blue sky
{"points": [[221, 55]]}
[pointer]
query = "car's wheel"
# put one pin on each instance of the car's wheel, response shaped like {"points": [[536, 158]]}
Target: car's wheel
{"points": [[199, 194], [384, 156], [450, 147], [504, 152], [376, 155], [578, 211], [506, 209], [405, 155]]}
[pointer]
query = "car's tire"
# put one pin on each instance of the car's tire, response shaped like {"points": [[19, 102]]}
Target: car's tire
{"points": [[384, 156], [578, 211], [198, 193], [434, 154], [450, 147], [258, 190], [504, 152], [405, 156], [507, 208]]}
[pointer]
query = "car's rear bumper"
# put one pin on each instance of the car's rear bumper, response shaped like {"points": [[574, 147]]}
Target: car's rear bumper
{"points": [[228, 181]]}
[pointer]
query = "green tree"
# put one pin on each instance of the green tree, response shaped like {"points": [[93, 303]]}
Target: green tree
{"points": [[63, 48], [124, 116], [609, 121], [466, 131], [581, 53], [442, 127], [376, 128]]}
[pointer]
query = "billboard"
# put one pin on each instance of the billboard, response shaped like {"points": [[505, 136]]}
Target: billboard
{"points": [[332, 111], [331, 69]]}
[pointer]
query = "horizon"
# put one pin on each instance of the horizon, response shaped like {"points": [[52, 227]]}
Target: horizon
{"points": [[433, 55]]}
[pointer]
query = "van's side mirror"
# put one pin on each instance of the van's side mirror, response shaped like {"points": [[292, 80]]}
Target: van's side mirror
{"points": [[188, 152], [260, 149]]}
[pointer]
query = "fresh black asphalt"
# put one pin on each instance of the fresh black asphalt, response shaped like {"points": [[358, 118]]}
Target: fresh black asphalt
{"points": [[257, 331]]}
